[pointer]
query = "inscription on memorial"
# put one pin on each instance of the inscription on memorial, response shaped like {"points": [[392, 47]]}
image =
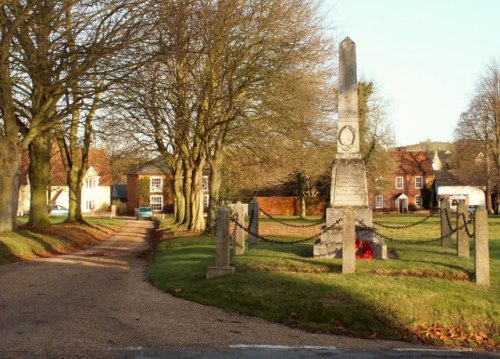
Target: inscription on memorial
{"points": [[348, 189]]}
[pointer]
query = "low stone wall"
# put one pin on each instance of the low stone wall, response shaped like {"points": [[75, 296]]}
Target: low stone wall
{"points": [[290, 206]]}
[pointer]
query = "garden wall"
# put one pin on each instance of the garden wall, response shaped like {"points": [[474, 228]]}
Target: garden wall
{"points": [[290, 206]]}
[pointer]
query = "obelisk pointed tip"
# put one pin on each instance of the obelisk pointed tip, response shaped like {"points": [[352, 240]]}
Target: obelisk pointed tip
{"points": [[347, 40]]}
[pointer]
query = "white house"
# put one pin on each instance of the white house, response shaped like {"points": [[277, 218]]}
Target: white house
{"points": [[451, 185], [96, 187]]}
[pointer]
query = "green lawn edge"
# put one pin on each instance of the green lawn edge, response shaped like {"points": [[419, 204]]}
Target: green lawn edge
{"points": [[426, 287], [30, 243]]}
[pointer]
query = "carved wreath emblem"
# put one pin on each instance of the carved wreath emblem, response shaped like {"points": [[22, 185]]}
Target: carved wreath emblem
{"points": [[346, 137]]}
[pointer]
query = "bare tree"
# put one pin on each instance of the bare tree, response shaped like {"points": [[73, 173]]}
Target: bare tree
{"points": [[53, 48], [481, 123], [220, 63]]}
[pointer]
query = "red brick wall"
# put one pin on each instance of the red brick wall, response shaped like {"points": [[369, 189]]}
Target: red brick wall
{"points": [[290, 206]]}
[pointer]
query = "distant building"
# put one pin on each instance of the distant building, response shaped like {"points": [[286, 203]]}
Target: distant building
{"points": [[457, 187], [150, 184], [96, 189], [409, 188]]}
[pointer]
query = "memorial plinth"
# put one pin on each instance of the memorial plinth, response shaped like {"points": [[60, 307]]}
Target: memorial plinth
{"points": [[349, 185]]}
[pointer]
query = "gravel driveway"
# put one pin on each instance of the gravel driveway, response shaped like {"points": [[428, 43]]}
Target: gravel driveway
{"points": [[97, 303]]}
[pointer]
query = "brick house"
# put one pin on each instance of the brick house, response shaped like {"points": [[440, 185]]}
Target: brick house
{"points": [[410, 187], [154, 181]]}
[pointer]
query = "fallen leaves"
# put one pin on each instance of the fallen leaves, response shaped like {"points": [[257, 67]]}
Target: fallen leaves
{"points": [[436, 333]]}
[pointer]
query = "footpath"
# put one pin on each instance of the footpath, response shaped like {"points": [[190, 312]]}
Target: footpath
{"points": [[97, 303]]}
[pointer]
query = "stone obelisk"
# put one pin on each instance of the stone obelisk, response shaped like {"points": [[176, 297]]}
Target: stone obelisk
{"points": [[349, 186]]}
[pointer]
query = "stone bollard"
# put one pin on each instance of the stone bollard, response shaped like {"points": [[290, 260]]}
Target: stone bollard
{"points": [[113, 211], [462, 238], [482, 255], [222, 267], [348, 242], [239, 239], [253, 221], [445, 223]]}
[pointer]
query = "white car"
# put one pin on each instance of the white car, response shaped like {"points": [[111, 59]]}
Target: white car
{"points": [[56, 210]]}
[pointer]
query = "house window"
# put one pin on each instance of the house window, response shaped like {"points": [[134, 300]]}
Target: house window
{"points": [[156, 184], [206, 201], [156, 203], [419, 182], [91, 183], [89, 205], [379, 183], [379, 201], [204, 184], [399, 182], [418, 201]]}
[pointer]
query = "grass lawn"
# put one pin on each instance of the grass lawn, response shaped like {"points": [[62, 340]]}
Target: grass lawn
{"points": [[57, 239], [423, 293]]}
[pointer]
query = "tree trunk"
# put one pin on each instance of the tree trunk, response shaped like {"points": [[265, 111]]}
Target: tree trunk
{"points": [[39, 169], [197, 223], [187, 187], [10, 159], [302, 197], [214, 185], [75, 196], [179, 200]]}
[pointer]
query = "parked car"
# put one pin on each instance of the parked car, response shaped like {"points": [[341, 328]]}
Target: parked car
{"points": [[56, 210], [473, 208], [144, 212]]}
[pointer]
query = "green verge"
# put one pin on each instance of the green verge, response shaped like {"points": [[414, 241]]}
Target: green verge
{"points": [[422, 287], [58, 238]]}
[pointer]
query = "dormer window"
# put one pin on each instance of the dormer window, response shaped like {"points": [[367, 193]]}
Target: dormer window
{"points": [[156, 184], [91, 182]]}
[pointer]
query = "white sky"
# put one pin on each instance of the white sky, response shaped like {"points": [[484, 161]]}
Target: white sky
{"points": [[423, 55]]}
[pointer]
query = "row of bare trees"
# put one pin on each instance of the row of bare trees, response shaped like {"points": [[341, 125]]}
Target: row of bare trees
{"points": [[232, 79], [242, 88], [57, 60]]}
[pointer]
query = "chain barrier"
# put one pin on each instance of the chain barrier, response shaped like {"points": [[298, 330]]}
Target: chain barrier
{"points": [[466, 227], [274, 241], [432, 214], [467, 230], [448, 221], [288, 224], [372, 230]]}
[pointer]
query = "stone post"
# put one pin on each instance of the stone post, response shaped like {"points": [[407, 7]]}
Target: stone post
{"points": [[253, 221], [113, 211], [239, 240], [348, 242], [445, 223], [462, 238], [222, 267], [482, 255]]}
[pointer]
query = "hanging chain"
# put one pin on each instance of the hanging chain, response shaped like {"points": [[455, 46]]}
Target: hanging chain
{"points": [[372, 230], [448, 220], [274, 241], [288, 224], [408, 225], [467, 230]]}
